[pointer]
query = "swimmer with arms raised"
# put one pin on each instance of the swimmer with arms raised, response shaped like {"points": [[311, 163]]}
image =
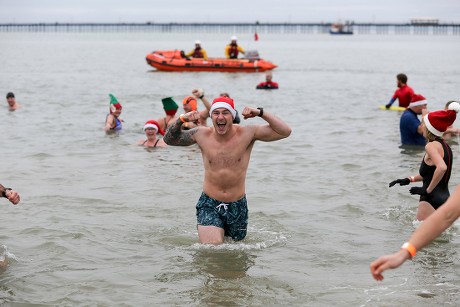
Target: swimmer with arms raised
{"points": [[226, 149]]}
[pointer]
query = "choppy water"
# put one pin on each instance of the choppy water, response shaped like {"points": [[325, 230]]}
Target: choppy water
{"points": [[104, 222]]}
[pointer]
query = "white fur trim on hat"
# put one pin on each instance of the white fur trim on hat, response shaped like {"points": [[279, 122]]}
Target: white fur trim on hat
{"points": [[151, 126], [430, 127], [221, 104], [418, 103]]}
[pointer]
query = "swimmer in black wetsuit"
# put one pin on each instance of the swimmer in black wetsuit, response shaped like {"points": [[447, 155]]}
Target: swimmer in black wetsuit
{"points": [[441, 192], [436, 166]]}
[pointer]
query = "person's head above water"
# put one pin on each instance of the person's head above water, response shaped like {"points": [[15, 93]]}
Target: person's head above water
{"points": [[153, 124], [418, 103], [10, 99], [437, 122], [170, 106], [114, 104], [189, 103]]}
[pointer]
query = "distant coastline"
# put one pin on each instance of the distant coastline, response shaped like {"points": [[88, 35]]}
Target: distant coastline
{"points": [[280, 28]]}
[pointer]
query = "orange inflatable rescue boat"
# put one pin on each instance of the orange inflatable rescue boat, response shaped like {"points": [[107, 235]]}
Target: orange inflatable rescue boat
{"points": [[174, 60]]}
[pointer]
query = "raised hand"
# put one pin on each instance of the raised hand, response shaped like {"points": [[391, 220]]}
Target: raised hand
{"points": [[250, 112], [198, 92]]}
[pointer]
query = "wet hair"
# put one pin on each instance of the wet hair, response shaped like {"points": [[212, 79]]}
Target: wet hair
{"points": [[10, 95], [224, 95], [429, 136], [236, 120], [402, 78]]}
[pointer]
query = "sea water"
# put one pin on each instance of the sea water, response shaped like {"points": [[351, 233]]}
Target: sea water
{"points": [[105, 222]]}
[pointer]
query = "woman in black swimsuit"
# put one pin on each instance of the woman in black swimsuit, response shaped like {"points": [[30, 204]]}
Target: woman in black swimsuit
{"points": [[436, 166], [151, 128]]}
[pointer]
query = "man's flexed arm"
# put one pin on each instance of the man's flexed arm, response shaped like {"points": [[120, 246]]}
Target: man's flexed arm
{"points": [[175, 136], [275, 130]]}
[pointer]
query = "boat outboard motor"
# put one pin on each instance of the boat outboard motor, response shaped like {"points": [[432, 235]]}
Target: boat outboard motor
{"points": [[252, 55]]}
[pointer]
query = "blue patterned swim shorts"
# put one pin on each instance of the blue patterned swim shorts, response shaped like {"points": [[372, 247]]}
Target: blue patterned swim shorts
{"points": [[232, 217]]}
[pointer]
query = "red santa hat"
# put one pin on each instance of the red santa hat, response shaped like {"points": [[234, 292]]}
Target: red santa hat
{"points": [[223, 102], [155, 125], [417, 100], [437, 122]]}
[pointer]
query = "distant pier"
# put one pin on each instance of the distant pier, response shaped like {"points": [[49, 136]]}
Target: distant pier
{"points": [[278, 28]]}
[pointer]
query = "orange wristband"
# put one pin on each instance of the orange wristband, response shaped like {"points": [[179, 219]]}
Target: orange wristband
{"points": [[182, 118], [410, 248]]}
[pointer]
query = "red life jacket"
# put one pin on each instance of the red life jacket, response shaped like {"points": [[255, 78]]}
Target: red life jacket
{"points": [[267, 85], [233, 51], [198, 53]]}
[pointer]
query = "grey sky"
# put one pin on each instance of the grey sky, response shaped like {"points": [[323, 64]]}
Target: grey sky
{"points": [[24, 11]]}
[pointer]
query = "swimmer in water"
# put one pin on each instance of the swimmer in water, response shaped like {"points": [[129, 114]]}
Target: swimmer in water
{"points": [[113, 121], [436, 165], [12, 103], [151, 129]]}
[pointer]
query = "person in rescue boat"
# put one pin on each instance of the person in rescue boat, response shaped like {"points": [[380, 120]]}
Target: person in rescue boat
{"points": [[198, 52], [233, 49]]}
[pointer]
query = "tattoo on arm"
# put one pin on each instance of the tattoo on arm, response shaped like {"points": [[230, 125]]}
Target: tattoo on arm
{"points": [[175, 136]]}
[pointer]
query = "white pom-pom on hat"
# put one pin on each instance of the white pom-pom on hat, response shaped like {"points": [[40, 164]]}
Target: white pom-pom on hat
{"points": [[455, 106]]}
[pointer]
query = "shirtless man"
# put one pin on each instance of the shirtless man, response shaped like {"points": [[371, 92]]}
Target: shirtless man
{"points": [[14, 198], [12, 103], [226, 149]]}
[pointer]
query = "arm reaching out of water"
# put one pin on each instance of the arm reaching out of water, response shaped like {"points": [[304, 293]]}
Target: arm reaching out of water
{"points": [[9, 194], [429, 230]]}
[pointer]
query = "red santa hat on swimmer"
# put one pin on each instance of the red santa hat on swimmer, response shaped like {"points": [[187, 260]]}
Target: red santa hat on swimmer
{"points": [[155, 125], [417, 100], [437, 122], [223, 102]]}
